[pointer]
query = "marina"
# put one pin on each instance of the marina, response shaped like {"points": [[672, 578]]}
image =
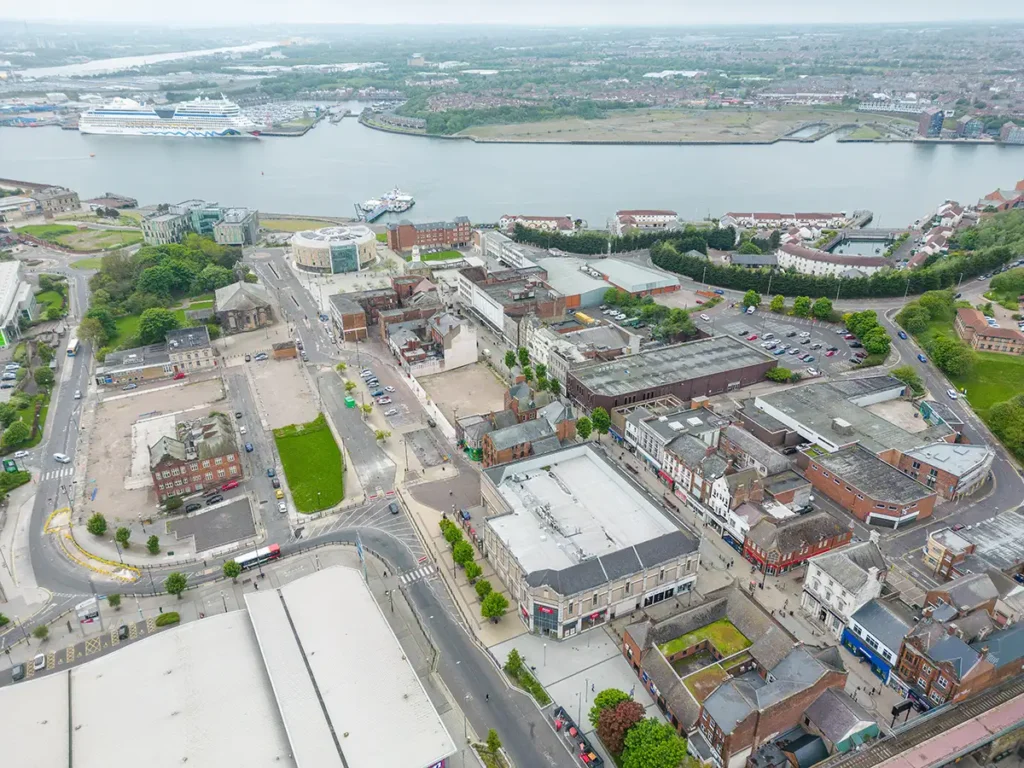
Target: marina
{"points": [[395, 201]]}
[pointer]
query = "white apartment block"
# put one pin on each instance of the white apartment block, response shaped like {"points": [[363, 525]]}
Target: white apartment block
{"points": [[839, 583]]}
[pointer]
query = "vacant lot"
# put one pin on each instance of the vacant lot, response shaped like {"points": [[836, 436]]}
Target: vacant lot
{"points": [[670, 125], [312, 464], [467, 390], [281, 389], [84, 240], [294, 225]]}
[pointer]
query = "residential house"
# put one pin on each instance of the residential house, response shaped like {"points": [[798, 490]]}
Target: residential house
{"points": [[561, 224], [776, 546], [973, 328], [242, 306], [839, 583], [190, 349], [875, 631], [644, 221]]}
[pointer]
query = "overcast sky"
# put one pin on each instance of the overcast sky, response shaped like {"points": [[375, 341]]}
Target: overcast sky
{"points": [[519, 12]]}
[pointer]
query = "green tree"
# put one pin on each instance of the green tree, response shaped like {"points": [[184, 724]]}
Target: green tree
{"points": [[97, 524], [104, 316], [122, 535], [528, 374], [542, 371], [778, 303], [601, 420], [341, 367], [43, 377], [4, 621], [909, 376], [91, 330], [232, 569], [494, 606], [653, 744], [609, 698], [114, 601], [462, 552], [822, 309], [749, 248], [153, 545], [154, 325], [176, 583], [366, 408], [16, 434], [614, 723], [350, 385], [41, 632], [493, 742], [381, 435], [172, 503], [751, 299], [554, 387], [514, 663], [158, 280], [779, 374], [542, 384], [524, 356], [802, 306], [483, 589], [54, 313], [938, 304], [473, 570], [510, 359], [584, 427], [452, 534], [46, 353], [1007, 422], [952, 356], [877, 341], [8, 413], [914, 318], [211, 278]]}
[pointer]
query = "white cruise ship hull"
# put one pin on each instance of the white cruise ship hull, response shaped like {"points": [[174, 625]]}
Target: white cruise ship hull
{"points": [[170, 130]]}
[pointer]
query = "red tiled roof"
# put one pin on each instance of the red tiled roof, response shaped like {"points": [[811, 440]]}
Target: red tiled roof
{"points": [[831, 258], [975, 320], [642, 212]]}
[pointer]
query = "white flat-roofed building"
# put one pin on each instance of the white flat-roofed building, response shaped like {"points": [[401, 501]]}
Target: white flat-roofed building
{"points": [[645, 220], [577, 544], [308, 676]]}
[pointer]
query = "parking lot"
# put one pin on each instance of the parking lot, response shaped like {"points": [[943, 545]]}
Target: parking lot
{"points": [[735, 323], [217, 526], [281, 389]]}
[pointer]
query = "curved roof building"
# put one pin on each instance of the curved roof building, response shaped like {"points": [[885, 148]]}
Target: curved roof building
{"points": [[334, 249]]}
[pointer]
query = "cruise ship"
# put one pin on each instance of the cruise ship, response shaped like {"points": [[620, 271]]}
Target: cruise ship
{"points": [[200, 118]]}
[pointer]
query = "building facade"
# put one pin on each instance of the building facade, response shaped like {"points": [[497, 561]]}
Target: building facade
{"points": [[190, 349], [839, 583], [334, 250], [432, 236], [164, 228], [202, 455], [929, 124], [972, 326], [776, 546], [53, 200], [875, 632], [242, 306], [238, 226]]}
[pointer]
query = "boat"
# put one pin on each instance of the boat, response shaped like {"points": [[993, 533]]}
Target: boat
{"points": [[199, 118], [395, 201], [370, 205]]}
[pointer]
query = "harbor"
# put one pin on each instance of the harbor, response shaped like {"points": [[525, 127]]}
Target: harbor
{"points": [[395, 201]]}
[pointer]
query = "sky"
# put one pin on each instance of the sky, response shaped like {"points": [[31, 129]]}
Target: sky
{"points": [[520, 12]]}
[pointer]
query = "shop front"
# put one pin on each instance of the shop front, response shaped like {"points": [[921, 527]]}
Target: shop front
{"points": [[595, 619]]}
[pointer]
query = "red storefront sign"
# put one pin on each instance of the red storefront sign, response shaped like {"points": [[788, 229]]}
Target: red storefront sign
{"points": [[545, 609]]}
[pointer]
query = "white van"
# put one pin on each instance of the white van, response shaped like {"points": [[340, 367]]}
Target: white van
{"points": [[751, 310]]}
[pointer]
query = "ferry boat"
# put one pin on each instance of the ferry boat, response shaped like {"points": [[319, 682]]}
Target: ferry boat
{"points": [[199, 118], [395, 201]]}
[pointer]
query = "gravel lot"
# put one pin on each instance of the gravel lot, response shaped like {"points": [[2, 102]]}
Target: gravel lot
{"points": [[470, 389]]}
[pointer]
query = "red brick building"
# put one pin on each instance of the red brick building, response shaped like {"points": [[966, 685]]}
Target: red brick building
{"points": [[201, 456], [973, 328], [775, 546], [349, 318], [436, 235]]}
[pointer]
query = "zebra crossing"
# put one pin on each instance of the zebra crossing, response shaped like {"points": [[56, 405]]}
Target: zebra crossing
{"points": [[53, 474], [420, 573]]}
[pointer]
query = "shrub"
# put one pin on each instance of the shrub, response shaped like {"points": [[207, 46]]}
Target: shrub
{"points": [[114, 601], [172, 502], [153, 545], [171, 617], [41, 632], [779, 374], [514, 662], [483, 589], [97, 525], [473, 570]]}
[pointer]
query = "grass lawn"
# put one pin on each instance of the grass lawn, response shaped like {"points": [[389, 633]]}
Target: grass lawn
{"points": [[94, 262], [48, 231], [865, 132], [100, 239], [702, 684], [294, 225], [726, 639], [995, 378], [382, 237], [50, 299], [312, 464], [201, 304], [128, 327], [1007, 300], [441, 256]]}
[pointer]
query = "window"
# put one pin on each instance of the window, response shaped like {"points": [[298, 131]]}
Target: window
{"points": [[661, 575], [625, 589], [872, 642], [569, 610], [937, 697], [219, 460], [595, 599], [193, 466], [206, 463], [917, 465], [209, 475], [922, 683], [886, 655], [941, 682]]}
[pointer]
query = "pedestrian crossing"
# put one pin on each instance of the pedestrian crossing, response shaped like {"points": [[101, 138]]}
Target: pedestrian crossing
{"points": [[420, 573], [53, 474]]}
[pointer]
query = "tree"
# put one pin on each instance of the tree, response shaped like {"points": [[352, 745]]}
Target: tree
{"points": [[462, 552], [1007, 422], [554, 387], [524, 356], [749, 248], [41, 632], [822, 309], [176, 583], [494, 606], [528, 374], [114, 601], [483, 589], [46, 353], [381, 435], [614, 722], [211, 278], [877, 341], [601, 420], [510, 359], [97, 524], [232, 570], [938, 304], [542, 384], [584, 427], [653, 744], [90, 329], [8, 414], [54, 313], [4, 621], [908, 376], [778, 303], [43, 377], [452, 534], [103, 315], [952, 356], [366, 408], [16, 434], [154, 325], [350, 385], [122, 535], [802, 306], [493, 742], [751, 299], [341, 367], [914, 318], [514, 663], [609, 698], [779, 374], [172, 503], [153, 545], [473, 571], [542, 371], [159, 280]]}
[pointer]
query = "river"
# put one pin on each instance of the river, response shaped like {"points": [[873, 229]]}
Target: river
{"points": [[334, 165]]}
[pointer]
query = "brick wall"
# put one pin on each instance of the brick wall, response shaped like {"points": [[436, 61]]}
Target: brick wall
{"points": [[860, 504]]}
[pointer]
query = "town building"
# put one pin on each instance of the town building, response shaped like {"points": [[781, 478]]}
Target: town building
{"points": [[334, 250], [999, 596], [111, 200], [562, 347], [501, 299], [577, 544], [348, 317], [839, 583], [432, 236], [929, 124], [945, 552], [840, 721], [374, 301], [647, 433], [561, 224], [952, 470], [632, 221], [973, 328], [164, 228], [170, 223], [17, 302], [202, 454], [237, 226], [692, 467], [732, 492], [442, 342], [688, 370], [873, 491], [1011, 133], [503, 249], [752, 260], [553, 427], [998, 544], [17, 207], [242, 306], [53, 200], [745, 451], [969, 127], [875, 632], [776, 546], [136, 365], [190, 349], [784, 220], [813, 261]]}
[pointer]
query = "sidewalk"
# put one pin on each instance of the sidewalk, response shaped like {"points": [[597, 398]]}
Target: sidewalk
{"points": [[21, 597]]}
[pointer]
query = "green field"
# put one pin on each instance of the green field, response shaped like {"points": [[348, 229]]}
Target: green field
{"points": [[48, 231], [726, 639], [294, 225], [441, 256], [201, 304], [47, 299], [94, 262], [864, 132], [382, 237], [85, 240], [128, 327], [312, 464]]}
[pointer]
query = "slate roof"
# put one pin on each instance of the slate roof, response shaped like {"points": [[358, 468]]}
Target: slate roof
{"points": [[1004, 647], [970, 591], [793, 533], [883, 623], [764, 454], [958, 653], [849, 565], [166, 447], [241, 295], [837, 715], [526, 432], [679, 700]]}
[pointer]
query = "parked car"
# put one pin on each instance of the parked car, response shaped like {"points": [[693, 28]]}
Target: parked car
{"points": [[806, 341], [769, 335], [214, 499], [39, 662], [752, 337], [720, 292], [179, 376], [383, 401], [18, 672], [238, 414], [122, 632], [849, 336], [78, 394], [808, 358], [248, 358], [377, 393], [855, 345], [431, 422], [260, 356], [779, 351], [305, 357], [6, 385], [230, 485], [249, 448], [367, 374], [830, 353], [279, 494], [804, 334], [951, 394], [705, 318], [282, 508], [791, 334], [133, 385], [922, 358], [242, 430], [10, 376], [901, 334], [389, 389], [194, 506], [395, 509], [958, 527], [812, 372], [270, 472], [275, 482], [751, 310], [391, 412]]}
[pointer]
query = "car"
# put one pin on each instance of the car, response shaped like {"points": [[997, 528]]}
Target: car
{"points": [[366, 372], [394, 508], [769, 335], [951, 394], [752, 337], [377, 393], [248, 358], [431, 422], [812, 372], [305, 357], [229, 485], [12, 366], [958, 527], [901, 334], [791, 334], [238, 414], [389, 389], [830, 353], [816, 345], [384, 401], [719, 292], [805, 341], [6, 385], [993, 325], [372, 383], [242, 430], [391, 412], [282, 507], [39, 662], [795, 351], [78, 394], [179, 376], [270, 472], [780, 351], [193, 507], [18, 670], [122, 632], [751, 310], [278, 494], [249, 448], [705, 318], [849, 336], [63, 458], [805, 334], [9, 377], [260, 356], [127, 387], [855, 345], [298, 343], [214, 499], [958, 296], [922, 358], [20, 454], [275, 482]]}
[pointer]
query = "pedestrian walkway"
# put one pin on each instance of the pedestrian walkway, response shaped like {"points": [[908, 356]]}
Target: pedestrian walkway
{"points": [[420, 573], [66, 471]]}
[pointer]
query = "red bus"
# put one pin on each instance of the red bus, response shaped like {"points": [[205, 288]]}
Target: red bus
{"points": [[259, 557]]}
